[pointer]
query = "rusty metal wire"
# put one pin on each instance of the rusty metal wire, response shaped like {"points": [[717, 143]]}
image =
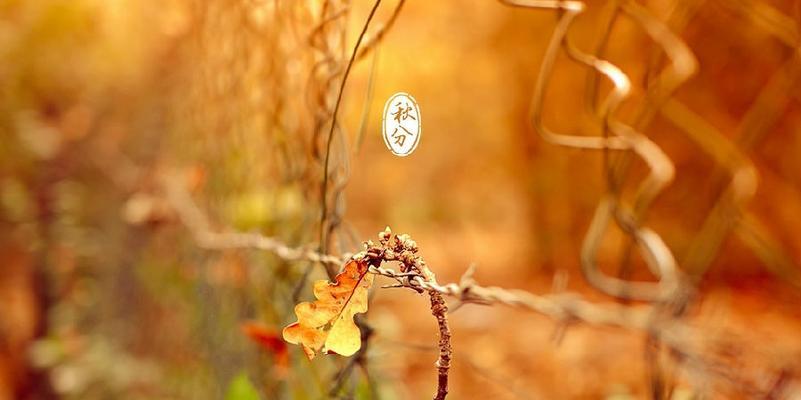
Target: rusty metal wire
{"points": [[729, 155], [729, 206], [655, 252]]}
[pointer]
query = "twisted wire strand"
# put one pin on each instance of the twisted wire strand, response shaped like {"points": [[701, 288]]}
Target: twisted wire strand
{"points": [[655, 252]]}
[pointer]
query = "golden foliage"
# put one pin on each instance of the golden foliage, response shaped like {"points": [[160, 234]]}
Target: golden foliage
{"points": [[327, 323]]}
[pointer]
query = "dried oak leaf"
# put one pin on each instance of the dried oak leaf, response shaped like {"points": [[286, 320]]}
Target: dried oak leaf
{"points": [[327, 324]]}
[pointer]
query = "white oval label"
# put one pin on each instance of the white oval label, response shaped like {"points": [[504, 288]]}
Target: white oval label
{"points": [[402, 125]]}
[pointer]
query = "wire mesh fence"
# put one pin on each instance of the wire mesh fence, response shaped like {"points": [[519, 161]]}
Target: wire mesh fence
{"points": [[156, 197]]}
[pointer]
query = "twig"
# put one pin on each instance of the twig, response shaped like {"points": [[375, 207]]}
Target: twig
{"points": [[379, 34], [324, 186], [439, 310], [403, 249]]}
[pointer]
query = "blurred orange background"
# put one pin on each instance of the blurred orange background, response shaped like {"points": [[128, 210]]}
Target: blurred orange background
{"points": [[105, 293]]}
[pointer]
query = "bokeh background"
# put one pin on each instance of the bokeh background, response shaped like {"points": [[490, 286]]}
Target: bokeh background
{"points": [[112, 110]]}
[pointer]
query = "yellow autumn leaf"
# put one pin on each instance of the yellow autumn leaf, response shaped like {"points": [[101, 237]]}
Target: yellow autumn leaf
{"points": [[327, 324]]}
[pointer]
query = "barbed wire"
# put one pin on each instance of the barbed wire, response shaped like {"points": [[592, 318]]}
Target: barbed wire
{"points": [[199, 227], [564, 308], [559, 306]]}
